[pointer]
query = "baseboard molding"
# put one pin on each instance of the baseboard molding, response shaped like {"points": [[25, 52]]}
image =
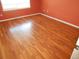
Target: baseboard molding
{"points": [[19, 17], [43, 15], [60, 20]]}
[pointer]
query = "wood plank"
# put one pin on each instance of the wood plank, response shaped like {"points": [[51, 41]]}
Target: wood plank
{"points": [[36, 37]]}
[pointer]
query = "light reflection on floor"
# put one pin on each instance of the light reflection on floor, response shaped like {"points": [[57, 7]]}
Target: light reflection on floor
{"points": [[22, 27], [21, 31]]}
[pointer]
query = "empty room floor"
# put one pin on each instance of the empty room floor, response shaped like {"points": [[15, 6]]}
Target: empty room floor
{"points": [[36, 37]]}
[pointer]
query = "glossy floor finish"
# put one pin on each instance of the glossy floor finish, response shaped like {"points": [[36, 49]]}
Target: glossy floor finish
{"points": [[36, 37]]}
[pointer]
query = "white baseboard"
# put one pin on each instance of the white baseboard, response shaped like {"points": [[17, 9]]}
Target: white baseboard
{"points": [[43, 15], [60, 20], [18, 17]]}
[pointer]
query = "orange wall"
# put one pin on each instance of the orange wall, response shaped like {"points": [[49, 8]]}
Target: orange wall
{"points": [[67, 10], [35, 8]]}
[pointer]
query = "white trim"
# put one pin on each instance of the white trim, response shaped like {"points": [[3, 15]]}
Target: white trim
{"points": [[43, 15], [18, 17], [60, 20]]}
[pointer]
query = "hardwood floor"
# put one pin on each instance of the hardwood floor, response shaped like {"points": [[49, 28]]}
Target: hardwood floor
{"points": [[36, 37]]}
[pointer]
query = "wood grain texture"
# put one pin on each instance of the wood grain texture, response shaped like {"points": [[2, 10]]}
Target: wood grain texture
{"points": [[36, 37]]}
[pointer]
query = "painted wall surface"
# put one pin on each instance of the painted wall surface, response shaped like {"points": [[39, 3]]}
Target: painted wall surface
{"points": [[35, 8], [0, 11], [67, 10]]}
